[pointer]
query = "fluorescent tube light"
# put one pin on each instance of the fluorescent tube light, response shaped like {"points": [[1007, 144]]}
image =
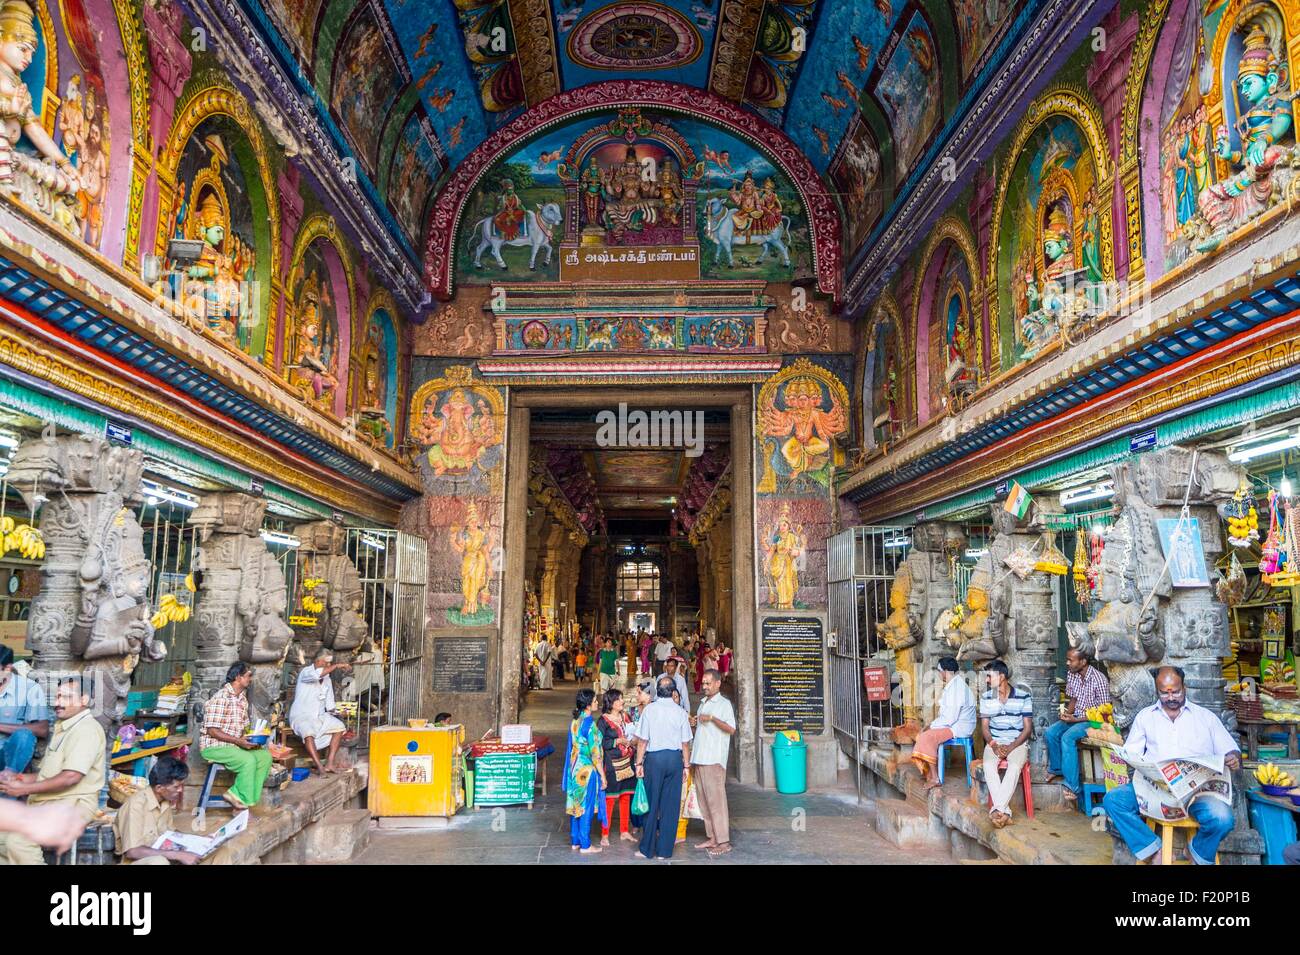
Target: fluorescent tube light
{"points": [[157, 493], [1089, 492], [284, 540], [1239, 455]]}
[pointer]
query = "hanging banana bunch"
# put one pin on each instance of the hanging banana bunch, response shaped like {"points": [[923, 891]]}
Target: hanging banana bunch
{"points": [[1079, 571], [170, 610], [23, 538], [1242, 517]]}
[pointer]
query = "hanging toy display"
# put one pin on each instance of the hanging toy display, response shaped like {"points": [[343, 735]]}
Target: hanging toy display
{"points": [[1268, 557], [1288, 559], [1231, 588], [1082, 588], [1242, 517]]}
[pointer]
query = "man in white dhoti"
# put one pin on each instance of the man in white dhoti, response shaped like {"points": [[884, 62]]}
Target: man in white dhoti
{"points": [[545, 656], [312, 714]]}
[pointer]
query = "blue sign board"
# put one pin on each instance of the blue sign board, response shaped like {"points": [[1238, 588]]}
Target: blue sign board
{"points": [[1142, 441], [117, 432], [254, 486], [1003, 489]]}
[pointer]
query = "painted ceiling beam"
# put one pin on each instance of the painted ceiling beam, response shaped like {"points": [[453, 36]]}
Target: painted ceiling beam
{"points": [[296, 114], [969, 139]]}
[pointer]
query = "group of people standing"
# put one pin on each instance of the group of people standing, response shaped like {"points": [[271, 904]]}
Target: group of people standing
{"points": [[615, 749]]}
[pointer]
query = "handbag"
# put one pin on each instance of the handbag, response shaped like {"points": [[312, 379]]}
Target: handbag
{"points": [[640, 801], [622, 767]]}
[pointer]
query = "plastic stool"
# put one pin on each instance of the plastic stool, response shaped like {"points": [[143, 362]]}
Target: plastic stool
{"points": [[1091, 791], [1166, 834], [965, 743], [207, 800], [1026, 784]]}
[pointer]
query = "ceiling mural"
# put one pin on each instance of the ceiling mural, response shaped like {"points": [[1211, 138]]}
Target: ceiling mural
{"points": [[414, 86]]}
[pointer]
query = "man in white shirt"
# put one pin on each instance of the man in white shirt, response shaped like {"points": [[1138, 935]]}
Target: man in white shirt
{"points": [[1169, 729], [715, 723], [663, 751], [663, 650], [311, 716], [956, 720], [673, 668]]}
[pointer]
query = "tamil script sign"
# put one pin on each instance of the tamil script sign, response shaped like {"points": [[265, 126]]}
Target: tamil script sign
{"points": [[601, 263]]}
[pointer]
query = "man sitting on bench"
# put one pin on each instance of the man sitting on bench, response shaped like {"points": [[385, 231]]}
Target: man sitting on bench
{"points": [[1085, 687], [225, 717]]}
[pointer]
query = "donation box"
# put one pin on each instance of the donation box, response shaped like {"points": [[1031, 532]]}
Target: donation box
{"points": [[415, 772]]}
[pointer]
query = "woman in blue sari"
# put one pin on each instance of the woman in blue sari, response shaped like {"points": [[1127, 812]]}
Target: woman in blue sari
{"points": [[584, 773]]}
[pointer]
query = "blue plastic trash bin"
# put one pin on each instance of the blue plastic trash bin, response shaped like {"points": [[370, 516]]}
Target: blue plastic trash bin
{"points": [[790, 761]]}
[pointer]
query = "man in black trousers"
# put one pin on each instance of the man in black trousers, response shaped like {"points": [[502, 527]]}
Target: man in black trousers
{"points": [[663, 750]]}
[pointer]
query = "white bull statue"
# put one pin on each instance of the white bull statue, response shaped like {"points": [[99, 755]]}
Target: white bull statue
{"points": [[539, 228], [720, 229]]}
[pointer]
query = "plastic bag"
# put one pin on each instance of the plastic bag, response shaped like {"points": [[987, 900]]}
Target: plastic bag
{"points": [[640, 801]]}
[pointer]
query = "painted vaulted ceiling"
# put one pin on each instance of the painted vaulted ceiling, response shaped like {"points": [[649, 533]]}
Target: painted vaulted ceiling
{"points": [[412, 87]]}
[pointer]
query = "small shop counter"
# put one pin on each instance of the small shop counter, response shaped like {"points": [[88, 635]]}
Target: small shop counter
{"points": [[415, 772]]}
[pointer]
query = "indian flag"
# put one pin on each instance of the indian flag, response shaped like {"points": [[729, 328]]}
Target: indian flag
{"points": [[1017, 501]]}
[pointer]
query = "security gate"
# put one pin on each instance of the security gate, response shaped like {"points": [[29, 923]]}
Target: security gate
{"points": [[393, 567], [861, 565]]}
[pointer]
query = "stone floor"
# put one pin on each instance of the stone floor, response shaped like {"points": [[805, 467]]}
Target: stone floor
{"points": [[767, 828]]}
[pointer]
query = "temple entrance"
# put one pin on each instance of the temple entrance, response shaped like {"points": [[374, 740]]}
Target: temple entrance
{"points": [[621, 521]]}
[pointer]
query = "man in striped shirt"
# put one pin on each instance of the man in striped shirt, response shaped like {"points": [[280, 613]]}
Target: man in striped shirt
{"points": [[1085, 687], [1006, 721]]}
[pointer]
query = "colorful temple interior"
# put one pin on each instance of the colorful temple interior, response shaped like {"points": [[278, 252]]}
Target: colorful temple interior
{"points": [[316, 313]]}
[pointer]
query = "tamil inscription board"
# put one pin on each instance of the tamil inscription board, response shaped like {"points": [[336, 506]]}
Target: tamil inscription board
{"points": [[794, 682], [460, 665], [504, 779]]}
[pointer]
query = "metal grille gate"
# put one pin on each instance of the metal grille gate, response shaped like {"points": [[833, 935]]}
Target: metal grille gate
{"points": [[393, 567], [860, 568]]}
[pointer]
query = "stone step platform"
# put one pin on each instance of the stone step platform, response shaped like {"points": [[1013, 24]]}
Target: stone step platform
{"points": [[906, 826], [317, 820]]}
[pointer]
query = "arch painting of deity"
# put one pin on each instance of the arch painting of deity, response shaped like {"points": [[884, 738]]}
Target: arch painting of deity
{"points": [[910, 92], [803, 417], [1218, 127], [220, 202], [70, 103], [1049, 265], [856, 175], [365, 83], [318, 328], [415, 169], [883, 385], [376, 395], [634, 196], [979, 24]]}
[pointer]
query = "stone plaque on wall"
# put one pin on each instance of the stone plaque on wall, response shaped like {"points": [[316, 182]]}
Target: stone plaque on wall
{"points": [[794, 681], [460, 665]]}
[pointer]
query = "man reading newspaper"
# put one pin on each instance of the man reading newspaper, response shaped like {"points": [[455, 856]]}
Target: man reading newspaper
{"points": [[1177, 752]]}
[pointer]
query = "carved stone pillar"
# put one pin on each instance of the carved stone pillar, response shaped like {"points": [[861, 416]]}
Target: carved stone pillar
{"points": [[323, 557], [92, 612], [242, 599], [1144, 620], [703, 562], [720, 562]]}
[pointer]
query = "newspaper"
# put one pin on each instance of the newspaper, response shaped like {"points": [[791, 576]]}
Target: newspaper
{"points": [[1165, 789], [202, 845]]}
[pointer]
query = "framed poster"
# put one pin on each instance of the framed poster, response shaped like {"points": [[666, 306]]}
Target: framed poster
{"points": [[1180, 539]]}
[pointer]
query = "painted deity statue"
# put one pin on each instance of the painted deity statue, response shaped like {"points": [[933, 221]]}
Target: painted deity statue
{"points": [[372, 411], [749, 206], [458, 433], [1049, 306], [770, 204], [472, 542], [901, 632], [975, 640], [811, 430], [784, 544], [313, 371], [509, 217], [1263, 165], [629, 196], [49, 180], [670, 194], [591, 189], [212, 286]]}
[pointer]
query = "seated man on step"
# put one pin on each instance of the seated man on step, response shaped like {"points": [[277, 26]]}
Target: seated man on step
{"points": [[1006, 722], [1085, 687], [24, 715], [956, 720], [225, 717], [149, 813], [71, 772], [1174, 727], [312, 714]]}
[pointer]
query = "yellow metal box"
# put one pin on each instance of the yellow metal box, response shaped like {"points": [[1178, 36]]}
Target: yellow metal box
{"points": [[415, 772]]}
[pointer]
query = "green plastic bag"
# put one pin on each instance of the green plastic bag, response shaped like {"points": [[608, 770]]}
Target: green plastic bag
{"points": [[640, 801]]}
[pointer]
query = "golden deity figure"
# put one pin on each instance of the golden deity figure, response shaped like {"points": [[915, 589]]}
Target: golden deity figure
{"points": [[629, 195], [457, 433], [50, 181], [670, 194], [784, 544], [313, 364], [810, 429], [749, 206], [212, 286], [770, 204], [472, 543], [900, 633]]}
